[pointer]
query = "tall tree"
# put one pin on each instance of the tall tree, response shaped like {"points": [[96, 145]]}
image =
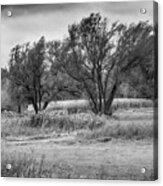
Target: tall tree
{"points": [[96, 56], [26, 68]]}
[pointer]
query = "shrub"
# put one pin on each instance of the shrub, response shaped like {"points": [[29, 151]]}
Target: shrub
{"points": [[36, 120], [44, 123], [73, 122]]}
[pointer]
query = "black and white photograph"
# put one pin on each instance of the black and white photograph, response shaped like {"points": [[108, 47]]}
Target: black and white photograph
{"points": [[79, 90]]}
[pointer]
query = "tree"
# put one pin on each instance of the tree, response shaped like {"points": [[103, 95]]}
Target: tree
{"points": [[140, 84], [6, 103], [60, 84], [12, 96], [26, 68], [4, 75], [59, 87], [96, 57], [17, 95], [141, 76]]}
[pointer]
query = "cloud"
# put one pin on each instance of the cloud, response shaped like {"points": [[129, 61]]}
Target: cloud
{"points": [[30, 22]]}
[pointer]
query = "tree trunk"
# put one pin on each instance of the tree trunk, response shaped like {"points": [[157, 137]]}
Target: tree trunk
{"points": [[108, 103], [40, 98], [19, 108], [100, 91], [35, 106], [45, 105], [94, 102], [39, 104]]}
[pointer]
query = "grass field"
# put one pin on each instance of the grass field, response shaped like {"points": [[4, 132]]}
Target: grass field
{"points": [[114, 160], [79, 145], [123, 103]]}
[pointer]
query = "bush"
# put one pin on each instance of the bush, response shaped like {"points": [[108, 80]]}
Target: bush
{"points": [[36, 120], [68, 122], [44, 123]]}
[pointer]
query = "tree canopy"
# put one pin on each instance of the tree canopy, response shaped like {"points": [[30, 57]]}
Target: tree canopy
{"points": [[94, 60], [96, 56]]}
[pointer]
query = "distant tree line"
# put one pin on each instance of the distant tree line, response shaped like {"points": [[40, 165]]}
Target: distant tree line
{"points": [[97, 61]]}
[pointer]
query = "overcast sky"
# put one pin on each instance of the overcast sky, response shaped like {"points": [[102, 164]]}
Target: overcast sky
{"points": [[30, 22]]}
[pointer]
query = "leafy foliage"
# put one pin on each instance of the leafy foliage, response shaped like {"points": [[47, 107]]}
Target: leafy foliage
{"points": [[93, 62], [26, 68], [96, 57]]}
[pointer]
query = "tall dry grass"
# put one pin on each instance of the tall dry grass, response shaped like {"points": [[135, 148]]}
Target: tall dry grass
{"points": [[47, 123], [127, 103], [122, 130], [26, 166], [130, 126]]}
